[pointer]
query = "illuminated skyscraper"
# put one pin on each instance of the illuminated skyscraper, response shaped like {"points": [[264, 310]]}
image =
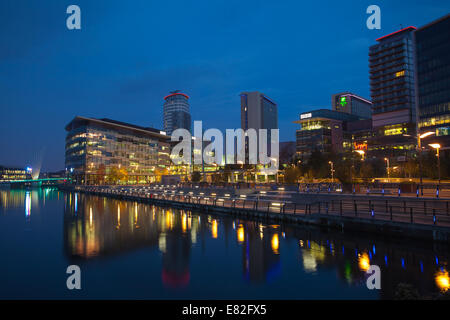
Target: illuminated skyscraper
{"points": [[176, 112], [258, 112], [433, 80], [392, 81]]}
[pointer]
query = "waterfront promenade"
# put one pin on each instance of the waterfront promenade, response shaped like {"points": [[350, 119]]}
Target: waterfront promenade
{"points": [[427, 218]]}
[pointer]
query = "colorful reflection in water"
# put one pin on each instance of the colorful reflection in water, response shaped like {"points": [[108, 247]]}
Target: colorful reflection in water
{"points": [[152, 251], [442, 280], [27, 204], [363, 261]]}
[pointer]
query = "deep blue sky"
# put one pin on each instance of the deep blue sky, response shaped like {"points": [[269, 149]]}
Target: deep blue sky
{"points": [[130, 54]]}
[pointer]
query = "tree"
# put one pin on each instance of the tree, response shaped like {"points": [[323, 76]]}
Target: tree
{"points": [[316, 166], [343, 171], [411, 168], [101, 172], [366, 172], [291, 174], [113, 175], [196, 176]]}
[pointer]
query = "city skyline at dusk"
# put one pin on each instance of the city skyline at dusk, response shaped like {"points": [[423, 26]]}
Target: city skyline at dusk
{"points": [[126, 59]]}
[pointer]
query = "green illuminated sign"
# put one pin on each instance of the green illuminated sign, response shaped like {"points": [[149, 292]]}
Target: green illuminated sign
{"points": [[343, 101]]}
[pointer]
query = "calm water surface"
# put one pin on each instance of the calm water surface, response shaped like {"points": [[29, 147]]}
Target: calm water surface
{"points": [[131, 250]]}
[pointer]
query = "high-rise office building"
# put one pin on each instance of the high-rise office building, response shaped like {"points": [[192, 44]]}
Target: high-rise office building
{"points": [[351, 103], [433, 80], [176, 112], [392, 85], [258, 112]]}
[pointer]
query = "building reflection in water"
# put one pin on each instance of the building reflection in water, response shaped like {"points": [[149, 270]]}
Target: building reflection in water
{"points": [[27, 199], [260, 251], [27, 204], [95, 226], [399, 264]]}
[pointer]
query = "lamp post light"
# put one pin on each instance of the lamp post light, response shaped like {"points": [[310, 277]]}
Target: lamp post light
{"points": [[419, 145], [275, 161], [437, 146], [332, 171], [388, 171], [361, 152]]}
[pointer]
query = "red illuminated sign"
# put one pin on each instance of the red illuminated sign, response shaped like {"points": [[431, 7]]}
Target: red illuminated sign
{"points": [[360, 146]]}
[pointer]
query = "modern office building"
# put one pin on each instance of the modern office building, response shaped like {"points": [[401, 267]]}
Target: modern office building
{"points": [[392, 85], [258, 112], [109, 151], [351, 103], [322, 130], [11, 174], [433, 80], [176, 112], [358, 136]]}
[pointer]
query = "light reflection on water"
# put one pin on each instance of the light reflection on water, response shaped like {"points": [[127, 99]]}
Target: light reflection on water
{"points": [[274, 261]]}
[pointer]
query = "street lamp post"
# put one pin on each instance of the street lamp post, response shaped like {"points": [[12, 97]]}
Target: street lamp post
{"points": [[437, 146], [419, 145], [388, 171], [361, 152], [332, 171]]}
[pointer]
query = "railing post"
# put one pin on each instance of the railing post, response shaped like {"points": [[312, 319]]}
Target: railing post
{"points": [[404, 206], [295, 207], [434, 216], [340, 207], [390, 209], [356, 211], [411, 213]]}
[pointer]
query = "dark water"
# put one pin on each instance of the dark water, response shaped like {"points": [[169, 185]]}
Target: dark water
{"points": [[130, 250]]}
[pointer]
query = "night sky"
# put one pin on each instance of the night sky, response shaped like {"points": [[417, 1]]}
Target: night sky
{"points": [[130, 54]]}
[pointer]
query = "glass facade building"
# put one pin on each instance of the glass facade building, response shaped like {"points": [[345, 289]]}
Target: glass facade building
{"points": [[104, 151], [176, 112], [433, 80], [322, 130], [351, 103], [392, 86], [11, 174]]}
